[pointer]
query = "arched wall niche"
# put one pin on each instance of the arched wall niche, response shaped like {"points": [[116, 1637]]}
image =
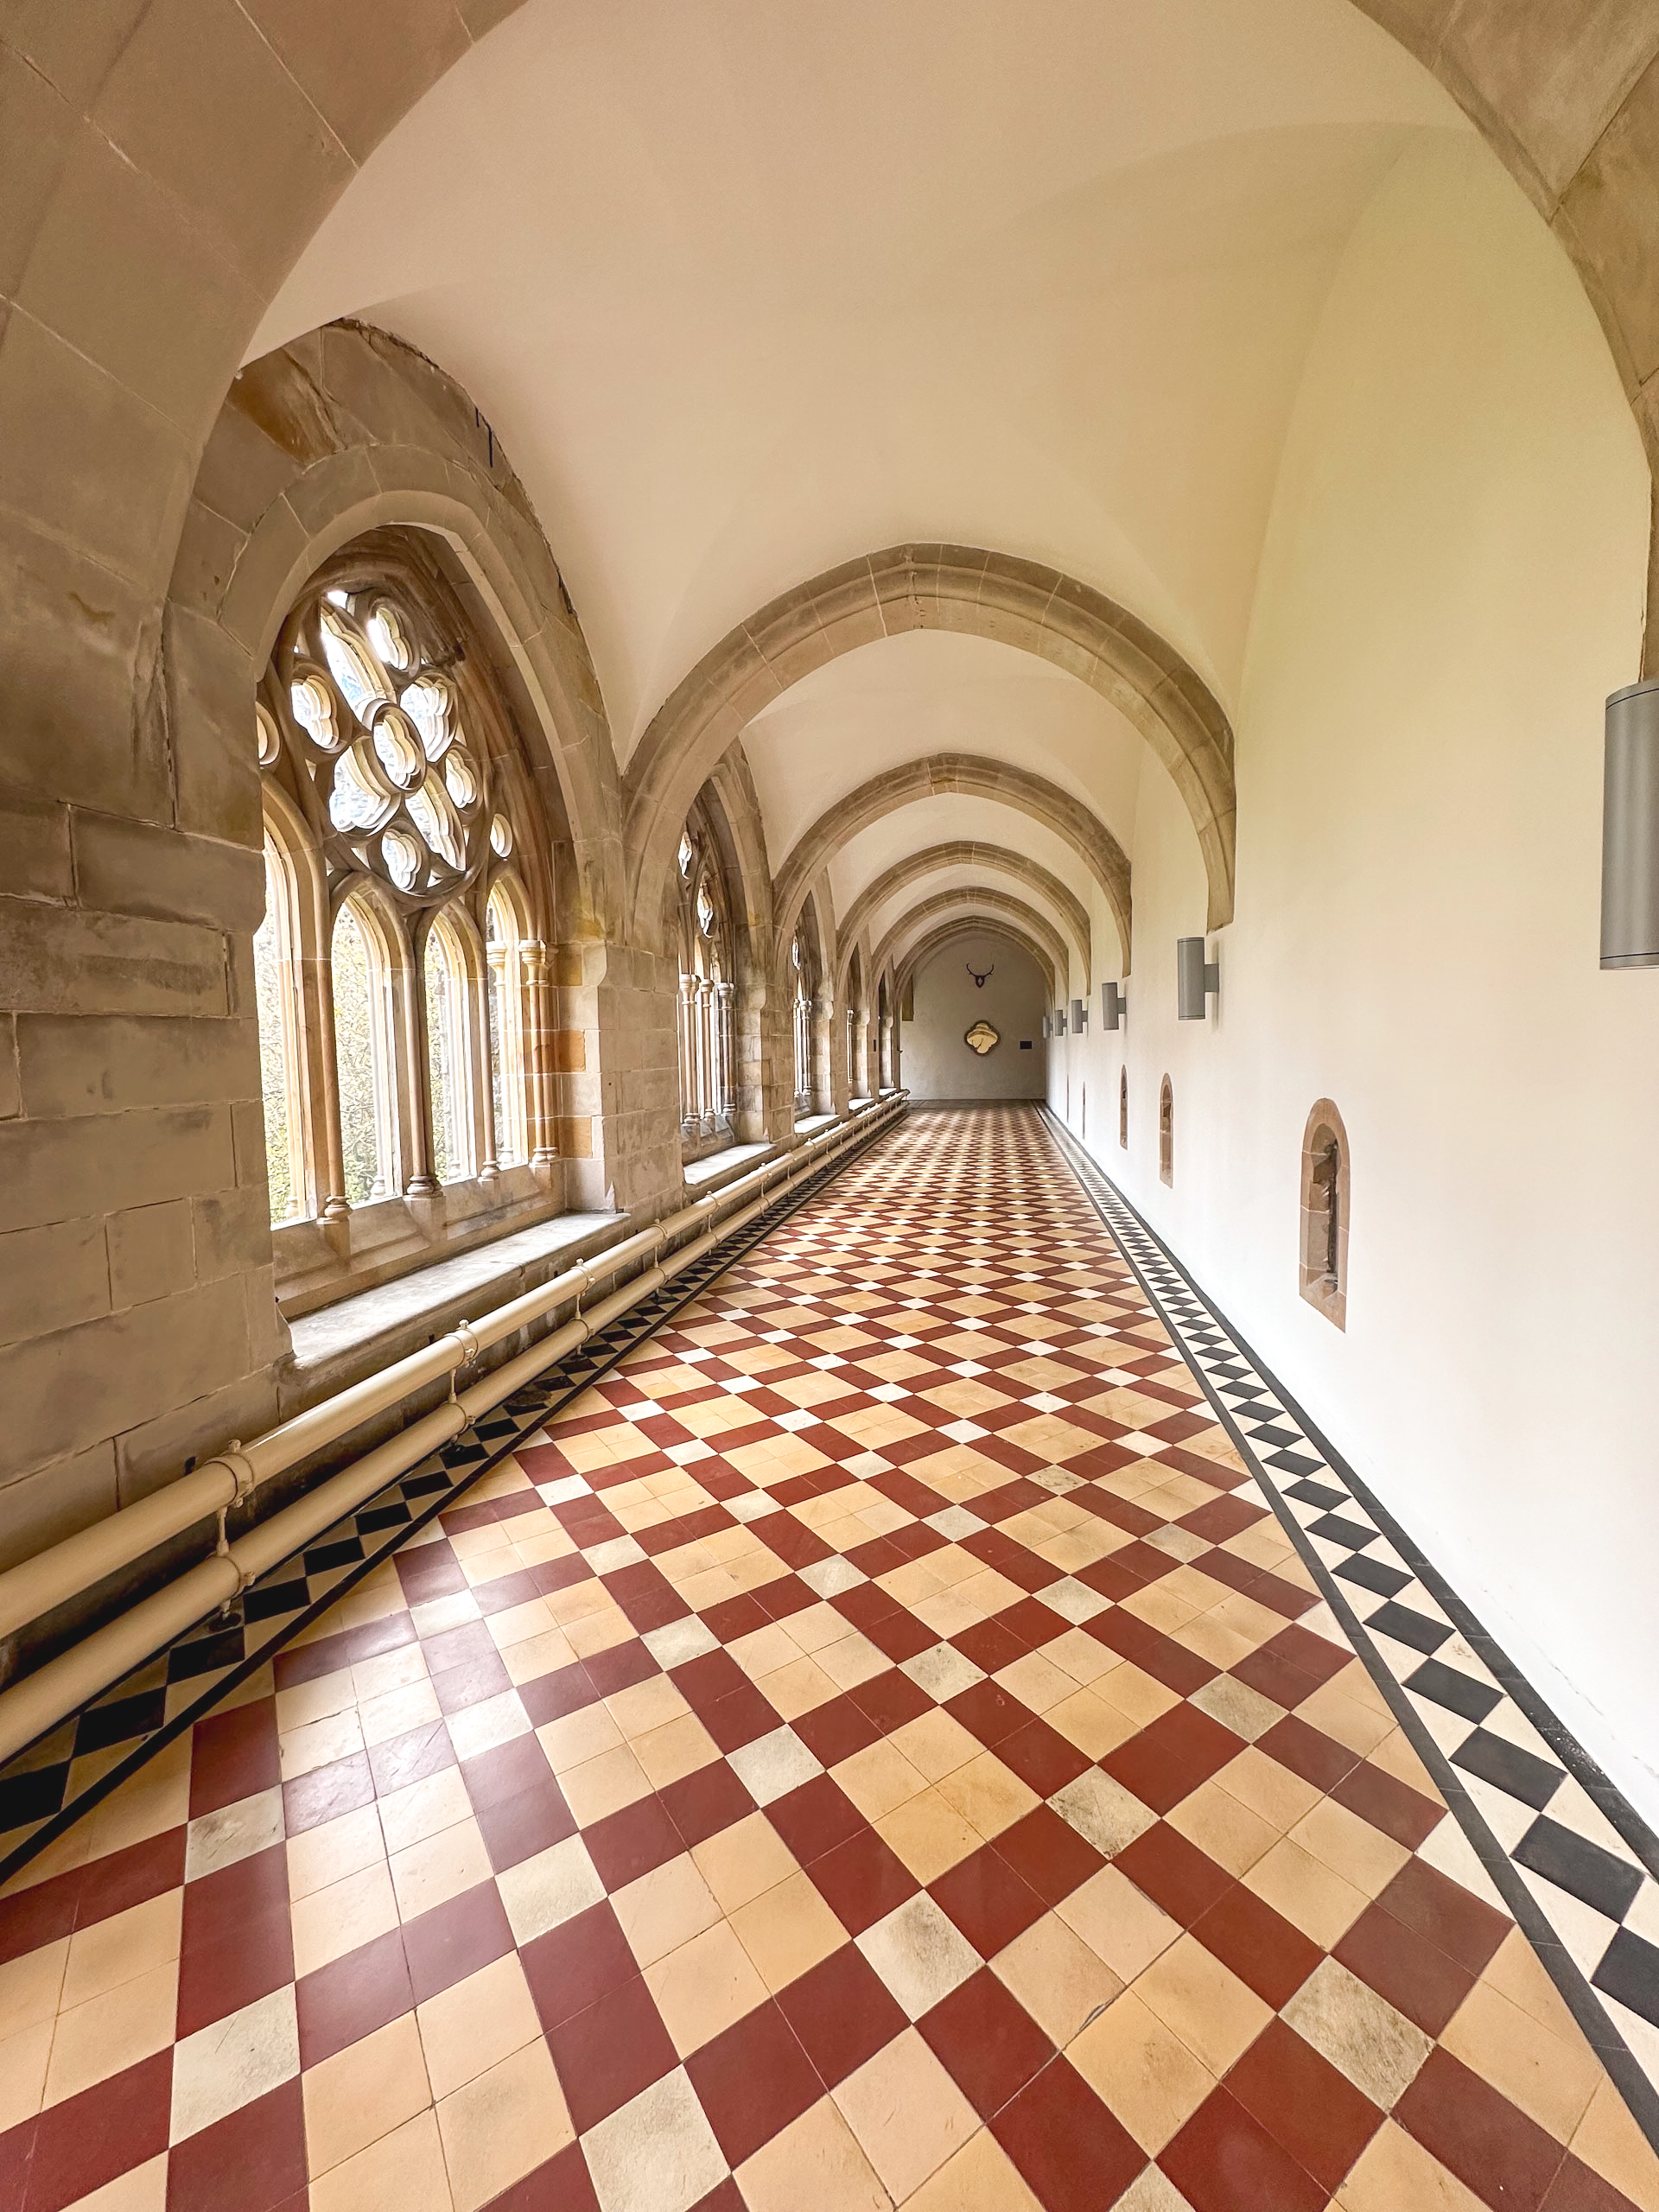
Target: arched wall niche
{"points": [[1322, 1272], [962, 587]]}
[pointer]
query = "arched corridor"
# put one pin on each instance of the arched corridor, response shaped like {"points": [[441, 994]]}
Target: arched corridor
{"points": [[887, 1741]]}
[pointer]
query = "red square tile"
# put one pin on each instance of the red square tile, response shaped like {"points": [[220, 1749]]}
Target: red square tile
{"points": [[987, 1901], [550, 1697], [834, 1731], [516, 1828], [611, 2052], [236, 1939], [424, 1751], [504, 1591], [1308, 2108], [864, 1604], [620, 1667], [1492, 2148], [739, 1719], [327, 1792], [901, 1636], [703, 1803], [628, 1843], [1391, 1805], [1315, 1655], [1156, 1654], [893, 1699], [646, 1595], [1318, 1759], [505, 1770], [1033, 1622], [456, 1939], [862, 1880], [1218, 1518], [350, 1998], [232, 1754], [752, 2081], [1575, 2189], [122, 1879], [308, 1662], [989, 1645], [456, 1647], [43, 1912], [986, 1710], [844, 2013], [573, 1966], [734, 1617], [1224, 2160], [726, 2196], [815, 1818], [253, 2158], [990, 2043], [1419, 1979], [1042, 1757], [1048, 1852], [1267, 1952], [1173, 1872], [564, 2184], [1169, 1760], [1445, 1913], [89, 2139], [1074, 2156]]}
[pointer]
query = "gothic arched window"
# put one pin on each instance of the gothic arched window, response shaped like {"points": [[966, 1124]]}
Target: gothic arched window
{"points": [[804, 979], [411, 829], [707, 988], [1324, 1272]]}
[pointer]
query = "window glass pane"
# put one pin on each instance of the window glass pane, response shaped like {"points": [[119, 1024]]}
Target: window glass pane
{"points": [[502, 1125], [443, 1059], [355, 1018], [271, 988]]}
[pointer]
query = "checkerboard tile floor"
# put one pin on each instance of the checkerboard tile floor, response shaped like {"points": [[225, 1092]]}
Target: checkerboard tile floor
{"points": [[877, 1748]]}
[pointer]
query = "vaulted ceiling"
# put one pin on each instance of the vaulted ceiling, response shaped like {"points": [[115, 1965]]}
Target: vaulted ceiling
{"points": [[747, 292]]}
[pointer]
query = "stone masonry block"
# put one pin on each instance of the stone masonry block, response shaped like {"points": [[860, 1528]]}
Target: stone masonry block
{"points": [[52, 1278], [131, 867], [70, 1067], [61, 1171], [232, 1231], [40, 1508], [66, 1392], [151, 1253], [34, 860], [153, 1453], [66, 960], [210, 718]]}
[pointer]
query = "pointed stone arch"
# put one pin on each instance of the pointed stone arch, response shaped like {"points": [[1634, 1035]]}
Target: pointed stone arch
{"points": [[968, 852], [993, 905], [966, 926]]}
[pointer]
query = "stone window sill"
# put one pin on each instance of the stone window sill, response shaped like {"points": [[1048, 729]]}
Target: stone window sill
{"points": [[707, 1174], [808, 1125], [356, 1336]]}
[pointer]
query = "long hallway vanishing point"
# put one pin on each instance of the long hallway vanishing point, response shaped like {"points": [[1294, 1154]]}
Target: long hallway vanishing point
{"points": [[876, 1746]]}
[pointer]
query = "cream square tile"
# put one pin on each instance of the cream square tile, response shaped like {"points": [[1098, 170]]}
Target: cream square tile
{"points": [[428, 1874], [494, 1721], [423, 1809], [851, 1659], [113, 2031], [664, 1909], [316, 1700], [1119, 1923], [918, 1953], [814, 2162], [234, 1832], [908, 2113], [1305, 1891], [388, 1670], [989, 1796], [342, 1918], [878, 1778], [645, 1706], [110, 1952], [1103, 1811], [403, 2172], [658, 2153], [1203, 2002], [504, 2122], [604, 1784], [1609, 2141], [327, 1853], [1036, 1681], [1552, 2079], [1143, 2071], [536, 1655], [1270, 1790], [319, 1743], [1228, 1832], [1056, 1977], [1087, 1721], [1081, 1656], [1139, 1694], [743, 1861], [475, 2024], [799, 1687], [363, 2092], [31, 1986], [705, 1986], [786, 1930], [23, 2059], [1393, 2171], [141, 2189], [935, 1744], [929, 1834], [678, 1748]]}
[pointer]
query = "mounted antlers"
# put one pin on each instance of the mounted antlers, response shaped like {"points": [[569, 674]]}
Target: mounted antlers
{"points": [[980, 981]]}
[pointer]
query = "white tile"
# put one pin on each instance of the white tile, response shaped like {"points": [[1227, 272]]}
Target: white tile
{"points": [[619, 1551], [658, 2153], [542, 1892], [830, 1577], [1102, 1812], [234, 1832], [674, 1643], [1073, 1600], [772, 1765], [942, 1671], [920, 1955], [437, 1614], [480, 1727], [225, 2066]]}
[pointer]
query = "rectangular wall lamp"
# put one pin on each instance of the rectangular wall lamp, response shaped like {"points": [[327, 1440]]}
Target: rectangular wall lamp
{"points": [[1079, 1017], [1113, 1007], [1060, 1021], [1630, 830], [1194, 976], [1048, 1026]]}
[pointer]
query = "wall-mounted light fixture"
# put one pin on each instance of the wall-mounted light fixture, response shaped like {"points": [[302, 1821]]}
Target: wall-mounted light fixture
{"points": [[1630, 830], [1079, 1017], [1194, 976], [1048, 1026], [1060, 1021], [1113, 1007]]}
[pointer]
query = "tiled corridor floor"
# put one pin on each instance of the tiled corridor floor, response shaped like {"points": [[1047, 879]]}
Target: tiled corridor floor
{"points": [[878, 1750]]}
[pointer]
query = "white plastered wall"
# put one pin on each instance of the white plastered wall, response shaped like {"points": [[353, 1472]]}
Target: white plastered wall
{"points": [[1452, 583], [937, 1063]]}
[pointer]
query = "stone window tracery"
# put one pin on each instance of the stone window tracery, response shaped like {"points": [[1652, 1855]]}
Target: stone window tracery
{"points": [[707, 989], [392, 760]]}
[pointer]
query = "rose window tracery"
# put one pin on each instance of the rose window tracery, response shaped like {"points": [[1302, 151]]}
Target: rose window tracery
{"points": [[375, 724]]}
